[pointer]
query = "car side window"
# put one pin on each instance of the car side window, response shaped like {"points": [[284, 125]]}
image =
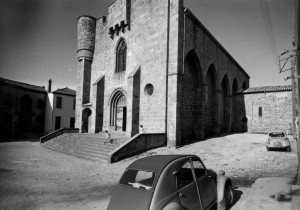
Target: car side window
{"points": [[138, 179], [184, 175], [199, 169]]}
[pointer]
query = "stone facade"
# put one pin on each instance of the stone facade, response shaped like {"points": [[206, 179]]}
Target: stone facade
{"points": [[267, 109], [175, 77]]}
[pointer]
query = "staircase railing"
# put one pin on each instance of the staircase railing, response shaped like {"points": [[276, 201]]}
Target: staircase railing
{"points": [[137, 144], [58, 133]]}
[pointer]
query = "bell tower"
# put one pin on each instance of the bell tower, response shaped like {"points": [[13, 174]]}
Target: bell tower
{"points": [[86, 30]]}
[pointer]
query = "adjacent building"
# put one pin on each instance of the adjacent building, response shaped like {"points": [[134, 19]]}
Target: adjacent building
{"points": [[60, 109], [31, 111], [154, 63], [267, 108], [22, 109]]}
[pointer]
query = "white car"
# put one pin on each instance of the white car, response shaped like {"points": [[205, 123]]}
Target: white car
{"points": [[278, 140]]}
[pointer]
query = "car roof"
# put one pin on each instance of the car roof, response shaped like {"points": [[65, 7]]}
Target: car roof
{"points": [[155, 162]]}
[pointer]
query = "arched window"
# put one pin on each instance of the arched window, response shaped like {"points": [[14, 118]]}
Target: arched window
{"points": [[260, 111], [121, 56], [40, 104], [26, 103]]}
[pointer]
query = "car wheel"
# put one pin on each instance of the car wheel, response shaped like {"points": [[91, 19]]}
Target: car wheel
{"points": [[227, 200], [288, 149]]}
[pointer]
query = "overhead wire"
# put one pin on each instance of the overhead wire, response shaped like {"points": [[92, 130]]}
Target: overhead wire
{"points": [[269, 29], [268, 25]]}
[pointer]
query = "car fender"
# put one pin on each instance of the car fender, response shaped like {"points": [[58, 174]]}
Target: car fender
{"points": [[221, 182]]}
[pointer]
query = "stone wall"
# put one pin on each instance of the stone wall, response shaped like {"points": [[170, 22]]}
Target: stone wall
{"points": [[215, 72]]}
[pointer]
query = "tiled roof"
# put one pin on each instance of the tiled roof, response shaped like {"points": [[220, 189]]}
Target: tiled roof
{"points": [[22, 85], [267, 89], [65, 91]]}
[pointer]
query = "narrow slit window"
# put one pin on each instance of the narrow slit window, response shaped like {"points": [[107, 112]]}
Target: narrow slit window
{"points": [[260, 111]]}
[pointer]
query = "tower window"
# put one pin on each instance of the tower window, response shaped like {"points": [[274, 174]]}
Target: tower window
{"points": [[121, 56]]}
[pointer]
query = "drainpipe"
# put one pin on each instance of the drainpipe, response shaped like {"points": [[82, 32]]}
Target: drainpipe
{"points": [[183, 50], [167, 71]]}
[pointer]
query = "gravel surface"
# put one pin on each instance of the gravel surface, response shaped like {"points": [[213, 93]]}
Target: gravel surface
{"points": [[33, 177]]}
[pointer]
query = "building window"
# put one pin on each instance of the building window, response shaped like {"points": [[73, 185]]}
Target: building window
{"points": [[121, 56], [149, 89], [72, 122], [260, 111], [58, 102], [74, 103]]}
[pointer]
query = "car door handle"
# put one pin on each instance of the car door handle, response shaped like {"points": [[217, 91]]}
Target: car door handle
{"points": [[182, 195]]}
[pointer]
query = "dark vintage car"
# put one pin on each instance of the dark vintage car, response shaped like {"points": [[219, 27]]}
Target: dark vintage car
{"points": [[278, 140], [171, 182]]}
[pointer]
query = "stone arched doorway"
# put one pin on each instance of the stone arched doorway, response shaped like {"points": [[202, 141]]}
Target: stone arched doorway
{"points": [[118, 111], [212, 103], [86, 115], [234, 107], [244, 124], [191, 99], [225, 106]]}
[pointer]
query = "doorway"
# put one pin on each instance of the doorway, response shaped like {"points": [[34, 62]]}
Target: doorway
{"points": [[57, 122], [118, 112], [121, 119], [86, 114]]}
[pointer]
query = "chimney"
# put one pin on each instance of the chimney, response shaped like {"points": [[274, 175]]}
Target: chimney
{"points": [[49, 85]]}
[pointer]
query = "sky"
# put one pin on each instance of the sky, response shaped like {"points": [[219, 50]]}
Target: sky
{"points": [[38, 38]]}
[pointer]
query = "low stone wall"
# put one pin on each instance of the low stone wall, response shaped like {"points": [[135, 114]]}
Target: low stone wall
{"points": [[137, 144], [58, 133]]}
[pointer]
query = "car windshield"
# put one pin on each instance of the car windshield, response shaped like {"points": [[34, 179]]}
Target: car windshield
{"points": [[276, 134], [138, 179]]}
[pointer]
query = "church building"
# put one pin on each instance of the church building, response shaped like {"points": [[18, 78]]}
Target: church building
{"points": [[153, 63]]}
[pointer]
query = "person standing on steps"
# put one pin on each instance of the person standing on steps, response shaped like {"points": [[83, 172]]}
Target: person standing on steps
{"points": [[142, 129], [107, 137]]}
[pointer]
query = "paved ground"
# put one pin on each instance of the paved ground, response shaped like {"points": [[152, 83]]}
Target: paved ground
{"points": [[32, 177]]}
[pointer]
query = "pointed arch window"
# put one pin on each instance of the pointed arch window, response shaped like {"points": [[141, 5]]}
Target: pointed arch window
{"points": [[260, 111], [121, 56]]}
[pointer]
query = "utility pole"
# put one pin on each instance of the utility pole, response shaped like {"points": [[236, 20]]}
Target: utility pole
{"points": [[297, 63], [294, 99], [289, 55]]}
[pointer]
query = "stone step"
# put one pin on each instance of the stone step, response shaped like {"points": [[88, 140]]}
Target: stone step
{"points": [[83, 143], [85, 146], [100, 156], [93, 141], [92, 157]]}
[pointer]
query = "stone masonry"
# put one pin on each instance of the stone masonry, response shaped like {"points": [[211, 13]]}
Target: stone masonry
{"points": [[152, 62]]}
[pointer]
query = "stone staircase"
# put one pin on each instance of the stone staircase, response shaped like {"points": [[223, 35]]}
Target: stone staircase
{"points": [[85, 146]]}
